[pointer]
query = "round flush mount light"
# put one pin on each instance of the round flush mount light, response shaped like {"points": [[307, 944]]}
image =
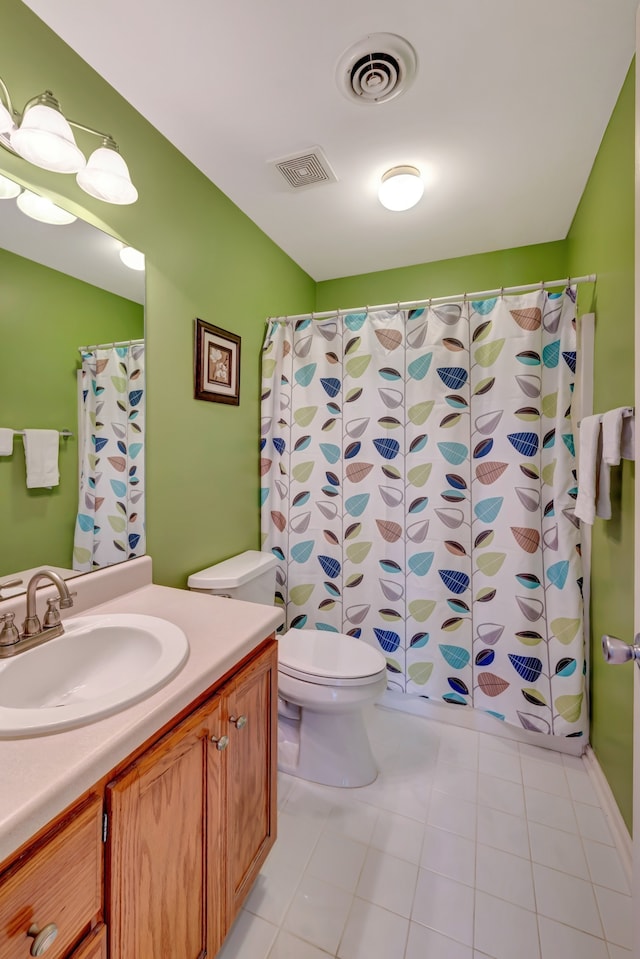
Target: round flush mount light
{"points": [[132, 258], [42, 209], [401, 188]]}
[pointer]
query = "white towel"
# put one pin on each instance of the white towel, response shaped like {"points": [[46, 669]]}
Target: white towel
{"points": [[617, 435], [6, 442], [628, 442], [588, 462], [41, 456]]}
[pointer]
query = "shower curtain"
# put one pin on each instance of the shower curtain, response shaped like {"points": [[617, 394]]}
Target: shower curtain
{"points": [[110, 521], [419, 480]]}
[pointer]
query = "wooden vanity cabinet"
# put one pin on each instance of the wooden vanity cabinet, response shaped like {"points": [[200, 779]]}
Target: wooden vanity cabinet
{"points": [[251, 775], [192, 820], [57, 883]]}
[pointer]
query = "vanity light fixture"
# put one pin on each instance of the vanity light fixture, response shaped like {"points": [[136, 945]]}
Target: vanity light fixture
{"points": [[9, 188], [42, 209], [132, 258], [42, 135], [401, 188]]}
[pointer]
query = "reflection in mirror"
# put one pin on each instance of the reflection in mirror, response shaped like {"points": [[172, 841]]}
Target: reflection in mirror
{"points": [[61, 288]]}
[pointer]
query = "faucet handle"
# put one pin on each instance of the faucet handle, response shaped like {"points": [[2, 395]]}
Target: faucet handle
{"points": [[66, 602], [54, 605], [52, 615], [9, 633]]}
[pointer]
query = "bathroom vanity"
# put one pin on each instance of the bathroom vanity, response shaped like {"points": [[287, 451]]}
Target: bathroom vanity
{"points": [[141, 834]]}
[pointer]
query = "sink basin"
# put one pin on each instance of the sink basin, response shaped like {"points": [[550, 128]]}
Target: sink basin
{"points": [[100, 665]]}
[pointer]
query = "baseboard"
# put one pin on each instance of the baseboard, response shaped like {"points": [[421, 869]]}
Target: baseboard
{"points": [[619, 831]]}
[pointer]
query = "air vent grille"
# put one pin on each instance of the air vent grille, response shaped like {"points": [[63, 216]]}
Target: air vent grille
{"points": [[306, 169], [376, 69], [375, 76]]}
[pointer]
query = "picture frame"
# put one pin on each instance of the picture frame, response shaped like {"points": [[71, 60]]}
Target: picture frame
{"points": [[216, 364]]}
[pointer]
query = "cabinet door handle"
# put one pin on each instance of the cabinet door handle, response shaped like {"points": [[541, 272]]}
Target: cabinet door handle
{"points": [[42, 938], [221, 741], [239, 722]]}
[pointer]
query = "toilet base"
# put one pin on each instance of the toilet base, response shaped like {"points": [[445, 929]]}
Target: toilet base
{"points": [[326, 748]]}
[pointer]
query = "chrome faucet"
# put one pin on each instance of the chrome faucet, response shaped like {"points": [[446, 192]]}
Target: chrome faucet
{"points": [[34, 632]]}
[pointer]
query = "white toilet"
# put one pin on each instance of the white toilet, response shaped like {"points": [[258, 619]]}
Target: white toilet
{"points": [[325, 680]]}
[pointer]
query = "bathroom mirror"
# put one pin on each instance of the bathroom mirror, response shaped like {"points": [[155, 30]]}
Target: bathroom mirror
{"points": [[61, 288]]}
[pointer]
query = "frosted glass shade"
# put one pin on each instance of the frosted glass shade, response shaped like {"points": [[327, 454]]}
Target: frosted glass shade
{"points": [[401, 188], [6, 120], [132, 258], [44, 138], [40, 208], [106, 177], [8, 188]]}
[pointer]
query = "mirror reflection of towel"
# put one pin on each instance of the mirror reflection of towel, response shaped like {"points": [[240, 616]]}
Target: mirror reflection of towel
{"points": [[41, 457], [6, 442]]}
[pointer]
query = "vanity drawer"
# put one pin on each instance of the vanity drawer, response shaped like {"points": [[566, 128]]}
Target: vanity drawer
{"points": [[61, 883]]}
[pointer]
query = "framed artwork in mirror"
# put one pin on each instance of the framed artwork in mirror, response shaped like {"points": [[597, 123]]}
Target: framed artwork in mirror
{"points": [[216, 364]]}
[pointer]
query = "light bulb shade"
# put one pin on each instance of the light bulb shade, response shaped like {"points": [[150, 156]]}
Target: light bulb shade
{"points": [[6, 120], [42, 209], [44, 138], [8, 188], [106, 177], [401, 188], [132, 258]]}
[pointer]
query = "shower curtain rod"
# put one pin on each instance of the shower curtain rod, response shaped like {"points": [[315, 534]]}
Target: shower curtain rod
{"points": [[103, 346], [411, 304]]}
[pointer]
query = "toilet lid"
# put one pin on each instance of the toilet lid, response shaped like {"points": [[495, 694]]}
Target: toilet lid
{"points": [[327, 655]]}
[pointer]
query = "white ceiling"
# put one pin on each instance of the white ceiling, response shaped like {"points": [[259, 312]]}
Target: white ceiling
{"points": [[507, 111]]}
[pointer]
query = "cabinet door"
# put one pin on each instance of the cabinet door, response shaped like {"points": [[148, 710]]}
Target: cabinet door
{"points": [[94, 946], [158, 847], [251, 709], [59, 884]]}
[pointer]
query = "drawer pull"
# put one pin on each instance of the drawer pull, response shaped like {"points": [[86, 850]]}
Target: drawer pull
{"points": [[239, 722], [221, 741], [42, 938]]}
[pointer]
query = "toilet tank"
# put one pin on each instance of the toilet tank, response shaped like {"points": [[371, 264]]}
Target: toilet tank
{"points": [[250, 576]]}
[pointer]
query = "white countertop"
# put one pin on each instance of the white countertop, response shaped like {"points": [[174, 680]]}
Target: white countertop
{"points": [[40, 776]]}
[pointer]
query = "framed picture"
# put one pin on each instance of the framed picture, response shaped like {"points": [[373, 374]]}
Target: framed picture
{"points": [[216, 364]]}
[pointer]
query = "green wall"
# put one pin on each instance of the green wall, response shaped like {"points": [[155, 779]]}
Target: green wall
{"points": [[44, 317], [205, 259], [601, 240], [484, 271]]}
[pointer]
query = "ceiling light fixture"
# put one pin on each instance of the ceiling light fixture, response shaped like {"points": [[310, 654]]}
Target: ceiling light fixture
{"points": [[401, 188], [40, 208], [42, 135]]}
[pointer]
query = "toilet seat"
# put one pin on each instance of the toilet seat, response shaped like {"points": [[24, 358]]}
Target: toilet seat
{"points": [[328, 659]]}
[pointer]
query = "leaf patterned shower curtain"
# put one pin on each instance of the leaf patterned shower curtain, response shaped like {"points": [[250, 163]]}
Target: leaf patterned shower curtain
{"points": [[110, 522], [418, 489]]}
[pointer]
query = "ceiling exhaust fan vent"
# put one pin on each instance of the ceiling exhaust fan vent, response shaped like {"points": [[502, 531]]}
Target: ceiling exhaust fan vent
{"points": [[376, 69], [306, 169]]}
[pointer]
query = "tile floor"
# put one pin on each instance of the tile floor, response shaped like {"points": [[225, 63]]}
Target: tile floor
{"points": [[467, 846]]}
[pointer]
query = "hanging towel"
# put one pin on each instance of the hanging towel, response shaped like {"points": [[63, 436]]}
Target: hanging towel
{"points": [[628, 442], [617, 435], [588, 462], [41, 456], [6, 442]]}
